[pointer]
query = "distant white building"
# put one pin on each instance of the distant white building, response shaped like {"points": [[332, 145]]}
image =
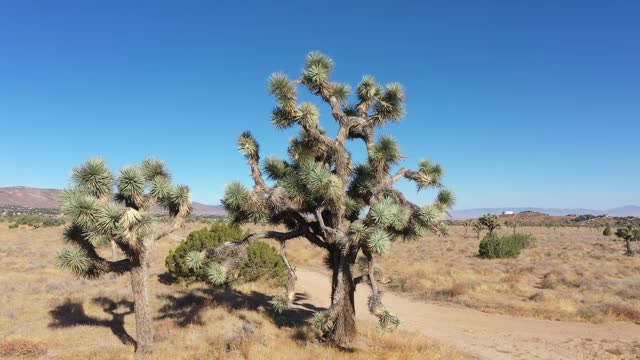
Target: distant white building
{"points": [[508, 213]]}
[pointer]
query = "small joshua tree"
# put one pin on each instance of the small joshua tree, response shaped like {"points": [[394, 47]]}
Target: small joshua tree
{"points": [[99, 216], [513, 224], [629, 233], [490, 222], [320, 193], [607, 230], [466, 224], [477, 228]]}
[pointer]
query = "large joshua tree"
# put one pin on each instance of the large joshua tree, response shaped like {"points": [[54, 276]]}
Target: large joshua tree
{"points": [[98, 215], [320, 194]]}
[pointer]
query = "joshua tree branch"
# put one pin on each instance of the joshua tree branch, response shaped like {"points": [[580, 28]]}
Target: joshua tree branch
{"points": [[291, 282], [371, 271], [176, 223], [308, 228], [256, 174], [325, 229], [244, 243]]}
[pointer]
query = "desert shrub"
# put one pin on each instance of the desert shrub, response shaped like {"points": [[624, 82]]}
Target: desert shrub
{"points": [[607, 231], [37, 221], [494, 246], [262, 261], [14, 226], [205, 238], [525, 240]]}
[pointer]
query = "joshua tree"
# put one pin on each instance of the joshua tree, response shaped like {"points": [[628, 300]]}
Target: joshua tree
{"points": [[490, 222], [99, 216], [320, 194], [629, 233], [607, 230], [513, 224], [466, 224], [477, 227]]}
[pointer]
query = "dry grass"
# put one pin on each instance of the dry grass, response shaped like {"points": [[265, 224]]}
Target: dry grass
{"points": [[571, 274], [47, 313]]}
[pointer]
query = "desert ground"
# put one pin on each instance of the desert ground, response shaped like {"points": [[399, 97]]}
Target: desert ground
{"points": [[47, 313], [572, 296], [570, 274]]}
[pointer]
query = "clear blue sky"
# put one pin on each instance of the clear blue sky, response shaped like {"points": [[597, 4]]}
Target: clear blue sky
{"points": [[532, 103]]}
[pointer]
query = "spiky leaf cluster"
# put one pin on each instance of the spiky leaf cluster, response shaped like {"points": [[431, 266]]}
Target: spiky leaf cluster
{"points": [[387, 321], [320, 321], [216, 274], [280, 303], [99, 216]]}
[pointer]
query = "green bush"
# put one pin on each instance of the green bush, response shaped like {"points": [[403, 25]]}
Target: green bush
{"points": [[494, 246], [37, 221], [263, 261], [205, 238]]}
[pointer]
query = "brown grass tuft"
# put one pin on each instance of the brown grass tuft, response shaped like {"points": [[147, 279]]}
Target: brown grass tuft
{"points": [[22, 348]]}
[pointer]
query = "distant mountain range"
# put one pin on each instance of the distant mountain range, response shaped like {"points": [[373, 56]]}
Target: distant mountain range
{"points": [[50, 199], [628, 210]]}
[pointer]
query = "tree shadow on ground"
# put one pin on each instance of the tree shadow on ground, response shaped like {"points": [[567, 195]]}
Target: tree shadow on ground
{"points": [[72, 314], [186, 306]]}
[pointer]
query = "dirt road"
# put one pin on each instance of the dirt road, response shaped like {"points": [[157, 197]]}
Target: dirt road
{"points": [[492, 336]]}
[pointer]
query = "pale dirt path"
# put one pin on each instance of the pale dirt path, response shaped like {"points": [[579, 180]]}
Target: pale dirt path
{"points": [[491, 336]]}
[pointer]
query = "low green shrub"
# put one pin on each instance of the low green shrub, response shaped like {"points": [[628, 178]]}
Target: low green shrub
{"points": [[494, 246], [263, 261], [205, 238], [37, 221]]}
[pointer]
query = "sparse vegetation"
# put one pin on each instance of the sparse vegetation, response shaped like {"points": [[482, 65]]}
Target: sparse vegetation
{"points": [[512, 224], [36, 221]]}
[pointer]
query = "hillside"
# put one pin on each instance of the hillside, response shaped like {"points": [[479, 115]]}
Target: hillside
{"points": [[50, 199], [628, 210]]}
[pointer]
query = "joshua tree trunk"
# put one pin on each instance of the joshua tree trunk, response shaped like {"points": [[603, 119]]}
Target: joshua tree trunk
{"points": [[144, 321], [114, 248], [342, 310], [290, 286], [629, 250]]}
